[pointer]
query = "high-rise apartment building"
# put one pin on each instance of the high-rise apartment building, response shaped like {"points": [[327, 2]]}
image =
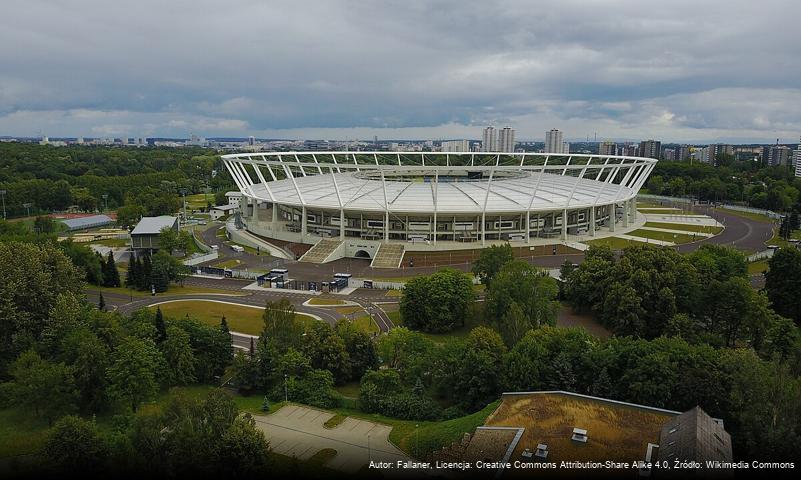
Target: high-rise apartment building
{"points": [[506, 140], [607, 148], [683, 153], [669, 154], [553, 141], [651, 149], [455, 146], [779, 155], [489, 142]]}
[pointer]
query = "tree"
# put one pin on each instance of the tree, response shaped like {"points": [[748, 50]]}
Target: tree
{"points": [[783, 283], [472, 370], [178, 354], [211, 347], [408, 352], [132, 275], [88, 357], [242, 449], [33, 278], [326, 351], [44, 225], [111, 276], [101, 303], [48, 388], [534, 292], [224, 325], [134, 371], [75, 445], [280, 327], [361, 349], [437, 302], [491, 260], [161, 327]]}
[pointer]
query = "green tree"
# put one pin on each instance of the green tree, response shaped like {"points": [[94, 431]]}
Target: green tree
{"points": [[161, 326], [75, 445], [327, 351], [437, 302], [134, 372], [111, 276], [178, 354], [47, 388], [783, 283], [472, 370], [242, 449], [280, 327], [491, 260], [534, 293], [362, 351]]}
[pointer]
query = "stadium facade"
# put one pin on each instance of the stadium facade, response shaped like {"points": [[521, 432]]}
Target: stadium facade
{"points": [[439, 201]]}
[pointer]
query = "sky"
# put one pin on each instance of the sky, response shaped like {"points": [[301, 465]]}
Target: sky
{"points": [[677, 71]]}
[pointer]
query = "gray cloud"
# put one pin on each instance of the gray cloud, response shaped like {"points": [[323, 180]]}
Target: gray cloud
{"points": [[679, 70]]}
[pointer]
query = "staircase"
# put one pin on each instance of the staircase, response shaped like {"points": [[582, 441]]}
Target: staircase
{"points": [[389, 255], [320, 252]]}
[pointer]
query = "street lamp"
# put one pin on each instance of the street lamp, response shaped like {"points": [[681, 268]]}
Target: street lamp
{"points": [[183, 192], [286, 392], [105, 199], [27, 206], [3, 194]]}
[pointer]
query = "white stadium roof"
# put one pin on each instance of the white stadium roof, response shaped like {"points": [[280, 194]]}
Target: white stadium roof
{"points": [[377, 182]]}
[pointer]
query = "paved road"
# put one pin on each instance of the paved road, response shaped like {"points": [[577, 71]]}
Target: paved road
{"points": [[300, 432]]}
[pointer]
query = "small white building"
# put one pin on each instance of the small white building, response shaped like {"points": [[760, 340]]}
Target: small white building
{"points": [[234, 198], [220, 211]]}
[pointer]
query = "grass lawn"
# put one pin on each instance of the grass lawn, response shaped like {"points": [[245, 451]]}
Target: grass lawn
{"points": [[685, 227], [228, 264], [615, 243], [173, 290], [665, 211], [366, 324], [197, 201], [240, 318], [350, 389], [755, 268], [665, 236], [419, 438], [326, 301], [394, 293], [753, 216]]}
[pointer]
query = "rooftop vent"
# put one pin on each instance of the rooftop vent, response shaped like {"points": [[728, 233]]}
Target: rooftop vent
{"points": [[579, 435], [542, 451]]}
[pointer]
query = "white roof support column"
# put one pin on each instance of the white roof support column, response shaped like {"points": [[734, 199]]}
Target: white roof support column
{"points": [[302, 171], [341, 205], [319, 170], [567, 164], [386, 203], [264, 182], [434, 197], [484, 209], [268, 168], [288, 173], [334, 158], [575, 184], [355, 162]]}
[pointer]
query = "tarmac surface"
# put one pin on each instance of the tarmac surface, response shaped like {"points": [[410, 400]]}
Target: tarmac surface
{"points": [[300, 432]]}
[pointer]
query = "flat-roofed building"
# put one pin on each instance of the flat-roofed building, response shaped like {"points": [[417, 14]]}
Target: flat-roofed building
{"points": [[84, 223], [220, 211], [145, 236], [570, 427]]}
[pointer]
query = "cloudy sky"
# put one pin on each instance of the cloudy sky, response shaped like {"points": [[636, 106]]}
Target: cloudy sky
{"points": [[700, 70]]}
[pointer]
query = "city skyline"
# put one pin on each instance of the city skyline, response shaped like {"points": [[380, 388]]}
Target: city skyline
{"points": [[340, 70]]}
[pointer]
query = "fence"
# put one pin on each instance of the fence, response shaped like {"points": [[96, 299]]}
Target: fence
{"points": [[739, 208], [200, 258]]}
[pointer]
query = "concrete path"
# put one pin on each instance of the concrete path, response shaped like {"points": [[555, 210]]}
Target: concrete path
{"points": [[680, 232], [646, 240], [297, 431], [701, 220]]}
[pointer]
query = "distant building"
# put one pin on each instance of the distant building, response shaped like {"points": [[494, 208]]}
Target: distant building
{"points": [[455, 146], [682, 153], [85, 223], [123, 140], [145, 236], [607, 148], [651, 149], [565, 147], [553, 141], [779, 155], [489, 141], [669, 154], [234, 198], [797, 161], [557, 426], [506, 140], [251, 140], [220, 211]]}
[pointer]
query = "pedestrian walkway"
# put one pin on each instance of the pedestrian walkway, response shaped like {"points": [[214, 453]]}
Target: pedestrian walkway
{"points": [[680, 232], [661, 243]]}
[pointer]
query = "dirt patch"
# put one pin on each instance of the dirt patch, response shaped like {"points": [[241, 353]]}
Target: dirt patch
{"points": [[567, 318]]}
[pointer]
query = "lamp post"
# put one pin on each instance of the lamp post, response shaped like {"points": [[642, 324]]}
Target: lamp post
{"points": [[286, 392], [27, 206], [105, 200], [183, 192], [3, 194]]}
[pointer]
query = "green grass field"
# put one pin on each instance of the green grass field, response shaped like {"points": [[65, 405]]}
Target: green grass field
{"points": [[231, 263], [326, 301], [685, 227], [665, 236], [173, 290], [755, 268], [753, 216], [240, 318]]}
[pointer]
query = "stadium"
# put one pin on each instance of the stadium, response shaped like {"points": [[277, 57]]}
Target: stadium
{"points": [[378, 204]]}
